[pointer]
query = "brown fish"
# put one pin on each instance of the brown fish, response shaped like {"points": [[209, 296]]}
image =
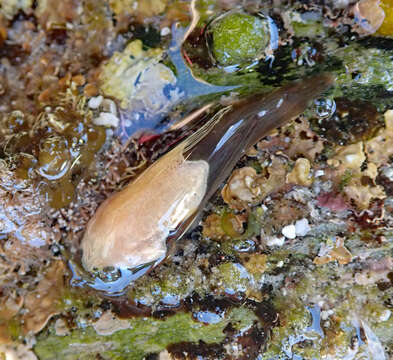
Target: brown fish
{"points": [[130, 229]]}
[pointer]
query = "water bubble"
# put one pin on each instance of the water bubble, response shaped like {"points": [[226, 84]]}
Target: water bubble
{"points": [[324, 107], [54, 158]]}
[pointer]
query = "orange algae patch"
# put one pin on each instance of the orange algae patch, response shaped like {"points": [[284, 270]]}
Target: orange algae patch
{"points": [[386, 28], [337, 253], [44, 302]]}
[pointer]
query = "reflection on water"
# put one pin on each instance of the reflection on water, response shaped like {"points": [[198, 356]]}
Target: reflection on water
{"points": [[157, 94]]}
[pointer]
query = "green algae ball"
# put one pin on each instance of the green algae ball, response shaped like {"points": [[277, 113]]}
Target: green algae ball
{"points": [[238, 37]]}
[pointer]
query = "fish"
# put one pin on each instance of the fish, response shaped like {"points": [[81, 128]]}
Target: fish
{"points": [[132, 228]]}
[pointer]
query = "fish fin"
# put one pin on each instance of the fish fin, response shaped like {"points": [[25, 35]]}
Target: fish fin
{"points": [[205, 129]]}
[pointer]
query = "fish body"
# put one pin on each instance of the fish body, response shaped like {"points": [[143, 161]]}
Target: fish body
{"points": [[131, 228]]}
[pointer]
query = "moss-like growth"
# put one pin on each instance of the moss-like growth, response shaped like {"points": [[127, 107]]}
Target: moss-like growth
{"points": [[232, 278], [144, 336], [365, 66], [238, 38]]}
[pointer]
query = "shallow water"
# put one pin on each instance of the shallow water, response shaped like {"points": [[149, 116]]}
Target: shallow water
{"points": [[92, 93]]}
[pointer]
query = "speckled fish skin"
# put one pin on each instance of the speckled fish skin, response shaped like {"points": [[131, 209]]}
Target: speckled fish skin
{"points": [[131, 228]]}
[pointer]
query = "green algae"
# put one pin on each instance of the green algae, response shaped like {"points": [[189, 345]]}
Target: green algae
{"points": [[232, 278], [309, 29], [144, 336], [238, 37], [365, 66], [349, 304], [169, 289]]}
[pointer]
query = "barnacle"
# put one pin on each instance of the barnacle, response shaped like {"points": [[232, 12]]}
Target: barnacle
{"points": [[335, 251], [123, 70], [212, 227], [241, 188], [361, 185], [300, 174], [11, 7], [350, 157]]}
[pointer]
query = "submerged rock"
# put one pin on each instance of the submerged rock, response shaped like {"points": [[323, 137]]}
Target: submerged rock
{"points": [[238, 37]]}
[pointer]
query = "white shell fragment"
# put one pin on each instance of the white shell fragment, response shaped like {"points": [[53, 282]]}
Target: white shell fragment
{"points": [[95, 102], [289, 231], [106, 119], [275, 241], [302, 227], [165, 31]]}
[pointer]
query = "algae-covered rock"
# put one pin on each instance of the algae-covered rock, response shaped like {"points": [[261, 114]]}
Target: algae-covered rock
{"points": [[137, 74], [232, 278], [320, 316], [144, 336], [365, 66], [238, 37], [309, 24]]}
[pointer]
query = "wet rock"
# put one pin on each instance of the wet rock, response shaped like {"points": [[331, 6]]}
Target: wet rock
{"points": [[238, 37], [352, 121]]}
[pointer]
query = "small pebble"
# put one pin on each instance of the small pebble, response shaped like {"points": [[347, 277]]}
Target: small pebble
{"points": [[319, 173], [106, 119], [326, 313], [95, 102], [289, 231], [302, 227], [275, 241], [385, 315], [165, 31], [388, 172]]}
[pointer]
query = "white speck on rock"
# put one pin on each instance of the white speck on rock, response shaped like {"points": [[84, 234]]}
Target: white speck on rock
{"points": [[289, 231], [302, 227], [385, 315], [319, 173], [95, 102], [388, 172], [165, 31], [326, 313], [275, 241], [106, 119]]}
